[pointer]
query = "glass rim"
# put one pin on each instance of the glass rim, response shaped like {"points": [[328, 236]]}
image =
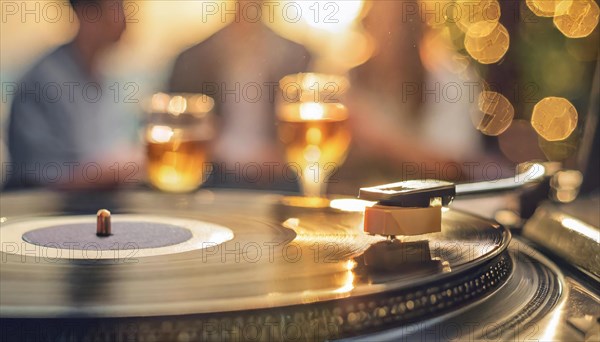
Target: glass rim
{"points": [[178, 103], [308, 79]]}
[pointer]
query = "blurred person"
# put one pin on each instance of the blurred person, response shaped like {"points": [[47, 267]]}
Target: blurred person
{"points": [[66, 129], [400, 129], [240, 67]]}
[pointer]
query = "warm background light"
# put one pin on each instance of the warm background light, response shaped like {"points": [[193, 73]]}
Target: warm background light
{"points": [[495, 113], [542, 8], [156, 32], [554, 118], [330, 30], [576, 18], [477, 18], [489, 48]]}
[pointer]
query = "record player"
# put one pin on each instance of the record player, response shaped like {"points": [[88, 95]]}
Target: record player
{"points": [[513, 259], [243, 265]]}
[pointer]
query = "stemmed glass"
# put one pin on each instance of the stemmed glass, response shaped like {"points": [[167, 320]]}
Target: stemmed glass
{"points": [[312, 125]]}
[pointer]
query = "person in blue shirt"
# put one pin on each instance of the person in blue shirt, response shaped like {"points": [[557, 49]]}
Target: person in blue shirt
{"points": [[66, 129]]}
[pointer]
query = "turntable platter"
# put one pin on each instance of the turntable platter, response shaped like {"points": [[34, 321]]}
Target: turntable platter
{"points": [[288, 264]]}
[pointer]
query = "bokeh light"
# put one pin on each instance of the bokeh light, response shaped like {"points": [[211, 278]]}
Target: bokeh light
{"points": [[576, 18], [491, 48], [477, 18], [554, 118], [333, 16], [495, 113], [542, 8]]}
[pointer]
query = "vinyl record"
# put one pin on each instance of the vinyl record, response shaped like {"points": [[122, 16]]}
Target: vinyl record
{"points": [[236, 260]]}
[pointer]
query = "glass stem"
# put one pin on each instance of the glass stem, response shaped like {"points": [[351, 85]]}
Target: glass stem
{"points": [[313, 182]]}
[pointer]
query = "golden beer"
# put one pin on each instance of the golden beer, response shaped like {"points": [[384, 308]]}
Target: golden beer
{"points": [[316, 138], [177, 142], [177, 165], [313, 128]]}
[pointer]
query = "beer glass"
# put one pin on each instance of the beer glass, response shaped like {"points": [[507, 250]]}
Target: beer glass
{"points": [[178, 132], [312, 125]]}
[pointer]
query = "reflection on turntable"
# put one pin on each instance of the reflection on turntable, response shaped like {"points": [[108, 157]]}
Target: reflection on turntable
{"points": [[254, 269]]}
